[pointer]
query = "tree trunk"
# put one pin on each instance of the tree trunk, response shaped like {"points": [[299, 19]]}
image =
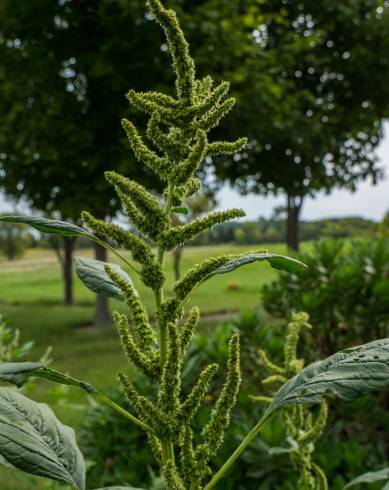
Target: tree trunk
{"points": [[294, 204], [177, 255], [102, 314], [67, 269]]}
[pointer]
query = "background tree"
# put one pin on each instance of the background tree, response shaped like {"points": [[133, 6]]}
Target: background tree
{"points": [[311, 78], [64, 69]]}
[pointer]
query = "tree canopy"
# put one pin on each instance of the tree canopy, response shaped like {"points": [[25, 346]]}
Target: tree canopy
{"points": [[311, 78]]}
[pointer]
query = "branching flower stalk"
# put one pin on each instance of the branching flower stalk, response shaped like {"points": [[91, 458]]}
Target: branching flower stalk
{"points": [[178, 130], [177, 142], [303, 430]]}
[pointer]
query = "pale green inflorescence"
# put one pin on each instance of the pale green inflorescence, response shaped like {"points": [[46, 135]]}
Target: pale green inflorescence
{"points": [[301, 426], [177, 133]]}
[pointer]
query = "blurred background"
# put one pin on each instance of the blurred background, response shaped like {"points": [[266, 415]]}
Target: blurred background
{"points": [[312, 84]]}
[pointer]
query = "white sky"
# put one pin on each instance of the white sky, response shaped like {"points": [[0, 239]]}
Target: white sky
{"points": [[368, 201]]}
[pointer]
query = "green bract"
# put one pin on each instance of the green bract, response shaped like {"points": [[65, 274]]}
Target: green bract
{"points": [[371, 477]]}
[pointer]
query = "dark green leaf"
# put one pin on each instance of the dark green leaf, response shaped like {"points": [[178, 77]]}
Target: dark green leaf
{"points": [[370, 477], [348, 375], [48, 225], [33, 440], [93, 275], [277, 261], [4, 462], [18, 373], [181, 210]]}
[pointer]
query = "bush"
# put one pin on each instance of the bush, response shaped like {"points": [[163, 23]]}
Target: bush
{"points": [[106, 439], [13, 240], [345, 291]]}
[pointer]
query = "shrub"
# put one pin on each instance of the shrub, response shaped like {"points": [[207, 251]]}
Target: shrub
{"points": [[345, 290], [13, 240]]}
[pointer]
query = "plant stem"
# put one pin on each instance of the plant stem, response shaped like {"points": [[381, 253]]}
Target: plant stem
{"points": [[110, 403], [167, 444], [111, 249], [239, 450]]}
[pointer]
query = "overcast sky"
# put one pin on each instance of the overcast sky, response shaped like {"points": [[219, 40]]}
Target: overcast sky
{"points": [[369, 201]]}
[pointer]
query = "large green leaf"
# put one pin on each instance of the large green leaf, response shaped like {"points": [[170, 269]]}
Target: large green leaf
{"points": [[4, 462], [33, 440], [276, 261], [18, 373], [348, 375], [48, 225], [370, 477], [93, 275]]}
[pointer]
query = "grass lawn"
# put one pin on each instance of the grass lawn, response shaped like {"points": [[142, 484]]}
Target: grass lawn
{"points": [[30, 299], [31, 296]]}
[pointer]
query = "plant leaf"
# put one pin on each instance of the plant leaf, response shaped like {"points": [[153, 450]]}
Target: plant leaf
{"points": [[180, 210], [280, 262], [92, 274], [4, 462], [370, 477], [18, 373], [45, 225], [348, 375], [33, 440]]}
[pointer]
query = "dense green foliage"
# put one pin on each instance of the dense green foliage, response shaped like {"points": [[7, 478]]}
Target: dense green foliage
{"points": [[312, 89], [14, 240], [345, 290]]}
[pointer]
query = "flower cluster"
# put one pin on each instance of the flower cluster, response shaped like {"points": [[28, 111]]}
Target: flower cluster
{"points": [[177, 144], [301, 426]]}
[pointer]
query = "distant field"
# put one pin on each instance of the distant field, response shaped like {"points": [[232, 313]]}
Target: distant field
{"points": [[37, 279]]}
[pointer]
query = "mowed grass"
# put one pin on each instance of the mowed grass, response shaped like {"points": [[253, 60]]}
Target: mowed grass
{"points": [[31, 299], [39, 280]]}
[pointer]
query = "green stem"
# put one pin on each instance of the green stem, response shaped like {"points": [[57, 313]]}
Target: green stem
{"points": [[167, 444], [110, 403], [231, 460], [111, 249]]}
